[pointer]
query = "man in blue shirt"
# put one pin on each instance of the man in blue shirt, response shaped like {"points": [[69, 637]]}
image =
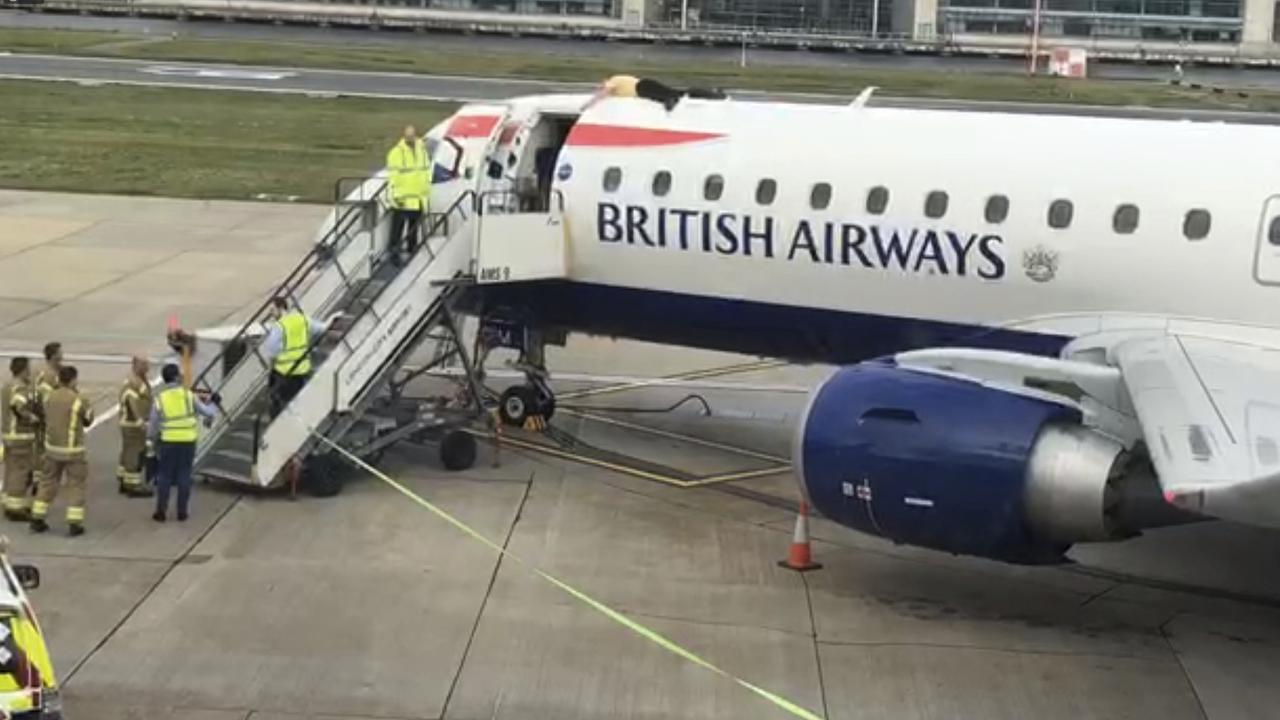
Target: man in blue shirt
{"points": [[173, 422], [287, 346]]}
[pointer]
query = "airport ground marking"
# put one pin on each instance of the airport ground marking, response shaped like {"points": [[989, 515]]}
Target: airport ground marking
{"points": [[635, 471], [676, 436], [692, 375], [653, 636]]}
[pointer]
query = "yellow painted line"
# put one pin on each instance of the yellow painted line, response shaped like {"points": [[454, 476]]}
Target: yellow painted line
{"points": [[588, 460], [677, 436], [651, 635], [744, 475], [692, 375], [634, 471]]}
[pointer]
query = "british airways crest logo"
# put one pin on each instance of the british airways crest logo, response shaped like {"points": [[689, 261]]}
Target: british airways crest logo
{"points": [[1040, 263], [875, 246]]}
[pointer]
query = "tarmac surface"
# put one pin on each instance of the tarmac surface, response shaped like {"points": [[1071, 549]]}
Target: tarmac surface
{"points": [[367, 606]]}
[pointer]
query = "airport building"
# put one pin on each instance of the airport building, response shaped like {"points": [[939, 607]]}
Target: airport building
{"points": [[1159, 25]]}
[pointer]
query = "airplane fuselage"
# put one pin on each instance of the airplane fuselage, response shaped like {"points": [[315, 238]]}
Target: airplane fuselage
{"points": [[835, 234]]}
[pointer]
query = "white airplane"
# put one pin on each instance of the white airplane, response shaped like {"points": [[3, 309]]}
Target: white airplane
{"points": [[1050, 329]]}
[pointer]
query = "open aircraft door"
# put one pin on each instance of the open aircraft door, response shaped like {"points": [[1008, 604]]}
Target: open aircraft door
{"points": [[1266, 261], [521, 234], [497, 183]]}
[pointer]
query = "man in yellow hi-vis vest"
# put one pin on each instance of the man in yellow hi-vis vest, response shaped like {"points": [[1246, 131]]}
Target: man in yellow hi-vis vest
{"points": [[174, 424], [67, 416], [288, 347], [409, 183], [20, 419], [135, 408]]}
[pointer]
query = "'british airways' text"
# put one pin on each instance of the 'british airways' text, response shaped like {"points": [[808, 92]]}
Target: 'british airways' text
{"points": [[942, 252]]}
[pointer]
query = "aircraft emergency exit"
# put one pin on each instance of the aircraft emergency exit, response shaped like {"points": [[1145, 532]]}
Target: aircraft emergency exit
{"points": [[1049, 329]]}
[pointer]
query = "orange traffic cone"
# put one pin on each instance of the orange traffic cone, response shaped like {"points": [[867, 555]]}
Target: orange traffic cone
{"points": [[799, 557]]}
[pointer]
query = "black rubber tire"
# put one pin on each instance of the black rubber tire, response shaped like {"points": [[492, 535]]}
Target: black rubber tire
{"points": [[516, 405], [458, 450], [323, 476], [547, 406]]}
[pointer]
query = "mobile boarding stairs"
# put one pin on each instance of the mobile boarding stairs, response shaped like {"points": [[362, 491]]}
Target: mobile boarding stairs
{"points": [[385, 314]]}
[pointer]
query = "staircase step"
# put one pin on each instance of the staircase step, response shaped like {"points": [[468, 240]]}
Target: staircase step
{"points": [[233, 455], [222, 473]]}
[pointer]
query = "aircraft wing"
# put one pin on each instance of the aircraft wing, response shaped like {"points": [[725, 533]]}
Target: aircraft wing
{"points": [[1210, 414]]}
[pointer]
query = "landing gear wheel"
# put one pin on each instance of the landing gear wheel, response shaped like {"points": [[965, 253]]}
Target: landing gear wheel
{"points": [[516, 405], [323, 475], [546, 406], [457, 450]]}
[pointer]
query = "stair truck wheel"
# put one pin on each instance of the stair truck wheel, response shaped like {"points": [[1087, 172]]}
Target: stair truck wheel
{"points": [[457, 450], [323, 475], [516, 405]]}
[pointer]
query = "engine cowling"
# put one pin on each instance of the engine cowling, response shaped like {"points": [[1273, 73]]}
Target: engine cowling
{"points": [[946, 463]]}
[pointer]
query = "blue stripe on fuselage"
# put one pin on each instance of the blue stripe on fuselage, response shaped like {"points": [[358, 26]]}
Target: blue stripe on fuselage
{"points": [[799, 334]]}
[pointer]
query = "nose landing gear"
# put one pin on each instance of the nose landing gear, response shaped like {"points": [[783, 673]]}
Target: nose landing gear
{"points": [[520, 402]]}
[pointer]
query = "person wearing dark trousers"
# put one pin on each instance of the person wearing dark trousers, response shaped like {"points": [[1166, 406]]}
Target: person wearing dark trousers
{"points": [[288, 347], [409, 182], [174, 423], [649, 89]]}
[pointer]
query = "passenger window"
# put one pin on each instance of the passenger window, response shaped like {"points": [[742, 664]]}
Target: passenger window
{"points": [[877, 200], [1196, 224], [1125, 221], [713, 188], [1273, 231], [997, 209], [766, 191], [1060, 212], [661, 183], [935, 204], [612, 179], [820, 196]]}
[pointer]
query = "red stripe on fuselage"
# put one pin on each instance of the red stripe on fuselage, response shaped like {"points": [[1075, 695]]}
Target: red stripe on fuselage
{"points": [[471, 126], [588, 135]]}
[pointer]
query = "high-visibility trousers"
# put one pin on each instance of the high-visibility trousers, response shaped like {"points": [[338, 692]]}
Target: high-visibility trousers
{"points": [[133, 448], [18, 465], [74, 471], [37, 458]]}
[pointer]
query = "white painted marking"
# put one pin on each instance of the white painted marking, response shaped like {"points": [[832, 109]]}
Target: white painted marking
{"points": [[918, 502], [217, 72], [243, 88]]}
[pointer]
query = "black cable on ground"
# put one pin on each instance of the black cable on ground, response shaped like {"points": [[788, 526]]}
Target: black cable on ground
{"points": [[706, 406]]}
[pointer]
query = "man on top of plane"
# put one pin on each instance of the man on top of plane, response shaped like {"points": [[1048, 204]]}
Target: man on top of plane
{"points": [[630, 86]]}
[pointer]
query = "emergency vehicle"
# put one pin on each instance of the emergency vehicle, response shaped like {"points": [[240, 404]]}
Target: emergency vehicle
{"points": [[28, 687]]}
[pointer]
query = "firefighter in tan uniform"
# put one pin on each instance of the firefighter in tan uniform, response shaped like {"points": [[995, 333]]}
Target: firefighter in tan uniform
{"points": [[67, 415], [135, 409], [46, 382], [19, 418]]}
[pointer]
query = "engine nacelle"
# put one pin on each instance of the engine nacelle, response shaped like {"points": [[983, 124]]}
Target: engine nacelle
{"points": [[945, 463]]}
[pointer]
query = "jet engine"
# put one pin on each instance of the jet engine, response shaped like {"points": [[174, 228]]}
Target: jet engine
{"points": [[947, 463]]}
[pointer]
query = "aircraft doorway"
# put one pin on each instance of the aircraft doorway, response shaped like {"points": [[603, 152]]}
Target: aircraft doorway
{"points": [[1266, 263], [525, 164]]}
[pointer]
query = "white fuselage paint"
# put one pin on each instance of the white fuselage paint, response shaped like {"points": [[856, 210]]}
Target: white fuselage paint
{"points": [[961, 268]]}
